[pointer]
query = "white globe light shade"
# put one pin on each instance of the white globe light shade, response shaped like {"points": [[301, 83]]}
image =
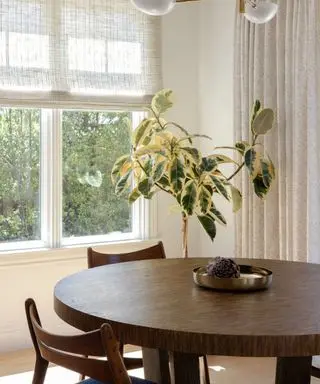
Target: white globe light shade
{"points": [[264, 11], [154, 7]]}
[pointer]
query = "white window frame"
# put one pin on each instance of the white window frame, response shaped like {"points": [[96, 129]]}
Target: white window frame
{"points": [[51, 194]]}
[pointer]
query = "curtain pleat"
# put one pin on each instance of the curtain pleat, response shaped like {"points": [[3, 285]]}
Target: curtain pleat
{"points": [[278, 63]]}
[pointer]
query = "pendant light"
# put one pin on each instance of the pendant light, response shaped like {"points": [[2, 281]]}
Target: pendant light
{"points": [[258, 11], [154, 7]]}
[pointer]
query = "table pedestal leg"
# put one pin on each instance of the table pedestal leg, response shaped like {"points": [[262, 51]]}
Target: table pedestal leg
{"points": [[184, 368], [293, 370], [156, 365]]}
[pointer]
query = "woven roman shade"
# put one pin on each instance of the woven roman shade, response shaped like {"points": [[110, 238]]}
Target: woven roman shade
{"points": [[77, 52]]}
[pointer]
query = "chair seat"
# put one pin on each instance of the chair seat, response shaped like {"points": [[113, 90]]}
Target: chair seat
{"points": [[134, 380]]}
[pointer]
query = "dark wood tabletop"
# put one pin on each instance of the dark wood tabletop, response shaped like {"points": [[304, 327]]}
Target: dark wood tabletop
{"points": [[156, 304]]}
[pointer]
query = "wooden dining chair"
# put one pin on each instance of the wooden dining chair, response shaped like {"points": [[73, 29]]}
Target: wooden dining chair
{"points": [[98, 259], [69, 351]]}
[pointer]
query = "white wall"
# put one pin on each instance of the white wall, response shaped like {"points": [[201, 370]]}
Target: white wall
{"points": [[180, 52], [19, 280], [216, 37]]}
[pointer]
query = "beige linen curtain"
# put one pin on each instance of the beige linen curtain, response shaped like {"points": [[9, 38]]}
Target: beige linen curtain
{"points": [[278, 63]]}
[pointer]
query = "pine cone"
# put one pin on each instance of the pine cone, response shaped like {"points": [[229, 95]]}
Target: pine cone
{"points": [[223, 268]]}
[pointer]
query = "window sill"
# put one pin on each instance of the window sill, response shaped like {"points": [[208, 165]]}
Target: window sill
{"points": [[67, 254]]}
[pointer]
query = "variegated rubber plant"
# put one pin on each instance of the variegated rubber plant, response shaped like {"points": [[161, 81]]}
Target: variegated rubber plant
{"points": [[163, 158]]}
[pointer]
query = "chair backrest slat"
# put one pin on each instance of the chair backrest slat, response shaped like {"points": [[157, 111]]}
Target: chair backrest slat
{"points": [[86, 344], [97, 259], [94, 368], [67, 351]]}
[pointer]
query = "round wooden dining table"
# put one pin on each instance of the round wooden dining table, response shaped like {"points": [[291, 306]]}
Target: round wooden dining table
{"points": [[156, 305]]}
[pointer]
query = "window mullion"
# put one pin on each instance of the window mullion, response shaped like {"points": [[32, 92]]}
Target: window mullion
{"points": [[56, 143], [51, 162]]}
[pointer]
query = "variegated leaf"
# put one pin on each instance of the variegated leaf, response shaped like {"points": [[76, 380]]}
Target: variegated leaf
{"points": [[255, 110], [159, 170], [161, 101], [191, 154], [266, 175], [252, 162], [117, 166], [204, 200], [220, 187], [259, 188], [272, 169], [208, 164], [123, 184], [164, 182], [236, 198], [125, 167], [144, 187], [176, 175], [242, 147], [218, 216], [134, 195], [189, 197], [209, 225], [222, 159], [263, 122], [141, 131], [148, 150]]}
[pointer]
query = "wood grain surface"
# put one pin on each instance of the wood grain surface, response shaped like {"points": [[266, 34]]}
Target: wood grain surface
{"points": [[155, 304]]}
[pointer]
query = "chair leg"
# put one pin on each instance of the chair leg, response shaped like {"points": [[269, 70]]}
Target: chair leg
{"points": [[40, 371], [206, 370]]}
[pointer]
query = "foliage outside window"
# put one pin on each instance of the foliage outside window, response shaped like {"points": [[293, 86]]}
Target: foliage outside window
{"points": [[90, 143]]}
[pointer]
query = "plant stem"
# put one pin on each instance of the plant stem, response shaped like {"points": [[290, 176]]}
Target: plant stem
{"points": [[185, 235], [236, 172]]}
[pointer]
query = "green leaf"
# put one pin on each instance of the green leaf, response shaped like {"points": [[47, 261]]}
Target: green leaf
{"points": [[144, 187], [141, 131], [209, 225], [242, 147], [266, 175], [263, 122], [161, 101], [191, 154], [117, 166], [122, 184], [252, 162], [134, 195], [159, 170], [259, 188], [220, 187], [189, 197], [176, 175], [204, 200], [217, 215], [236, 198]]}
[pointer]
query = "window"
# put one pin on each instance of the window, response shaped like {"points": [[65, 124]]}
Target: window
{"points": [[72, 72], [55, 178]]}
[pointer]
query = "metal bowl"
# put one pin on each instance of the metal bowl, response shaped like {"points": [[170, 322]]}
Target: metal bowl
{"points": [[251, 279]]}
